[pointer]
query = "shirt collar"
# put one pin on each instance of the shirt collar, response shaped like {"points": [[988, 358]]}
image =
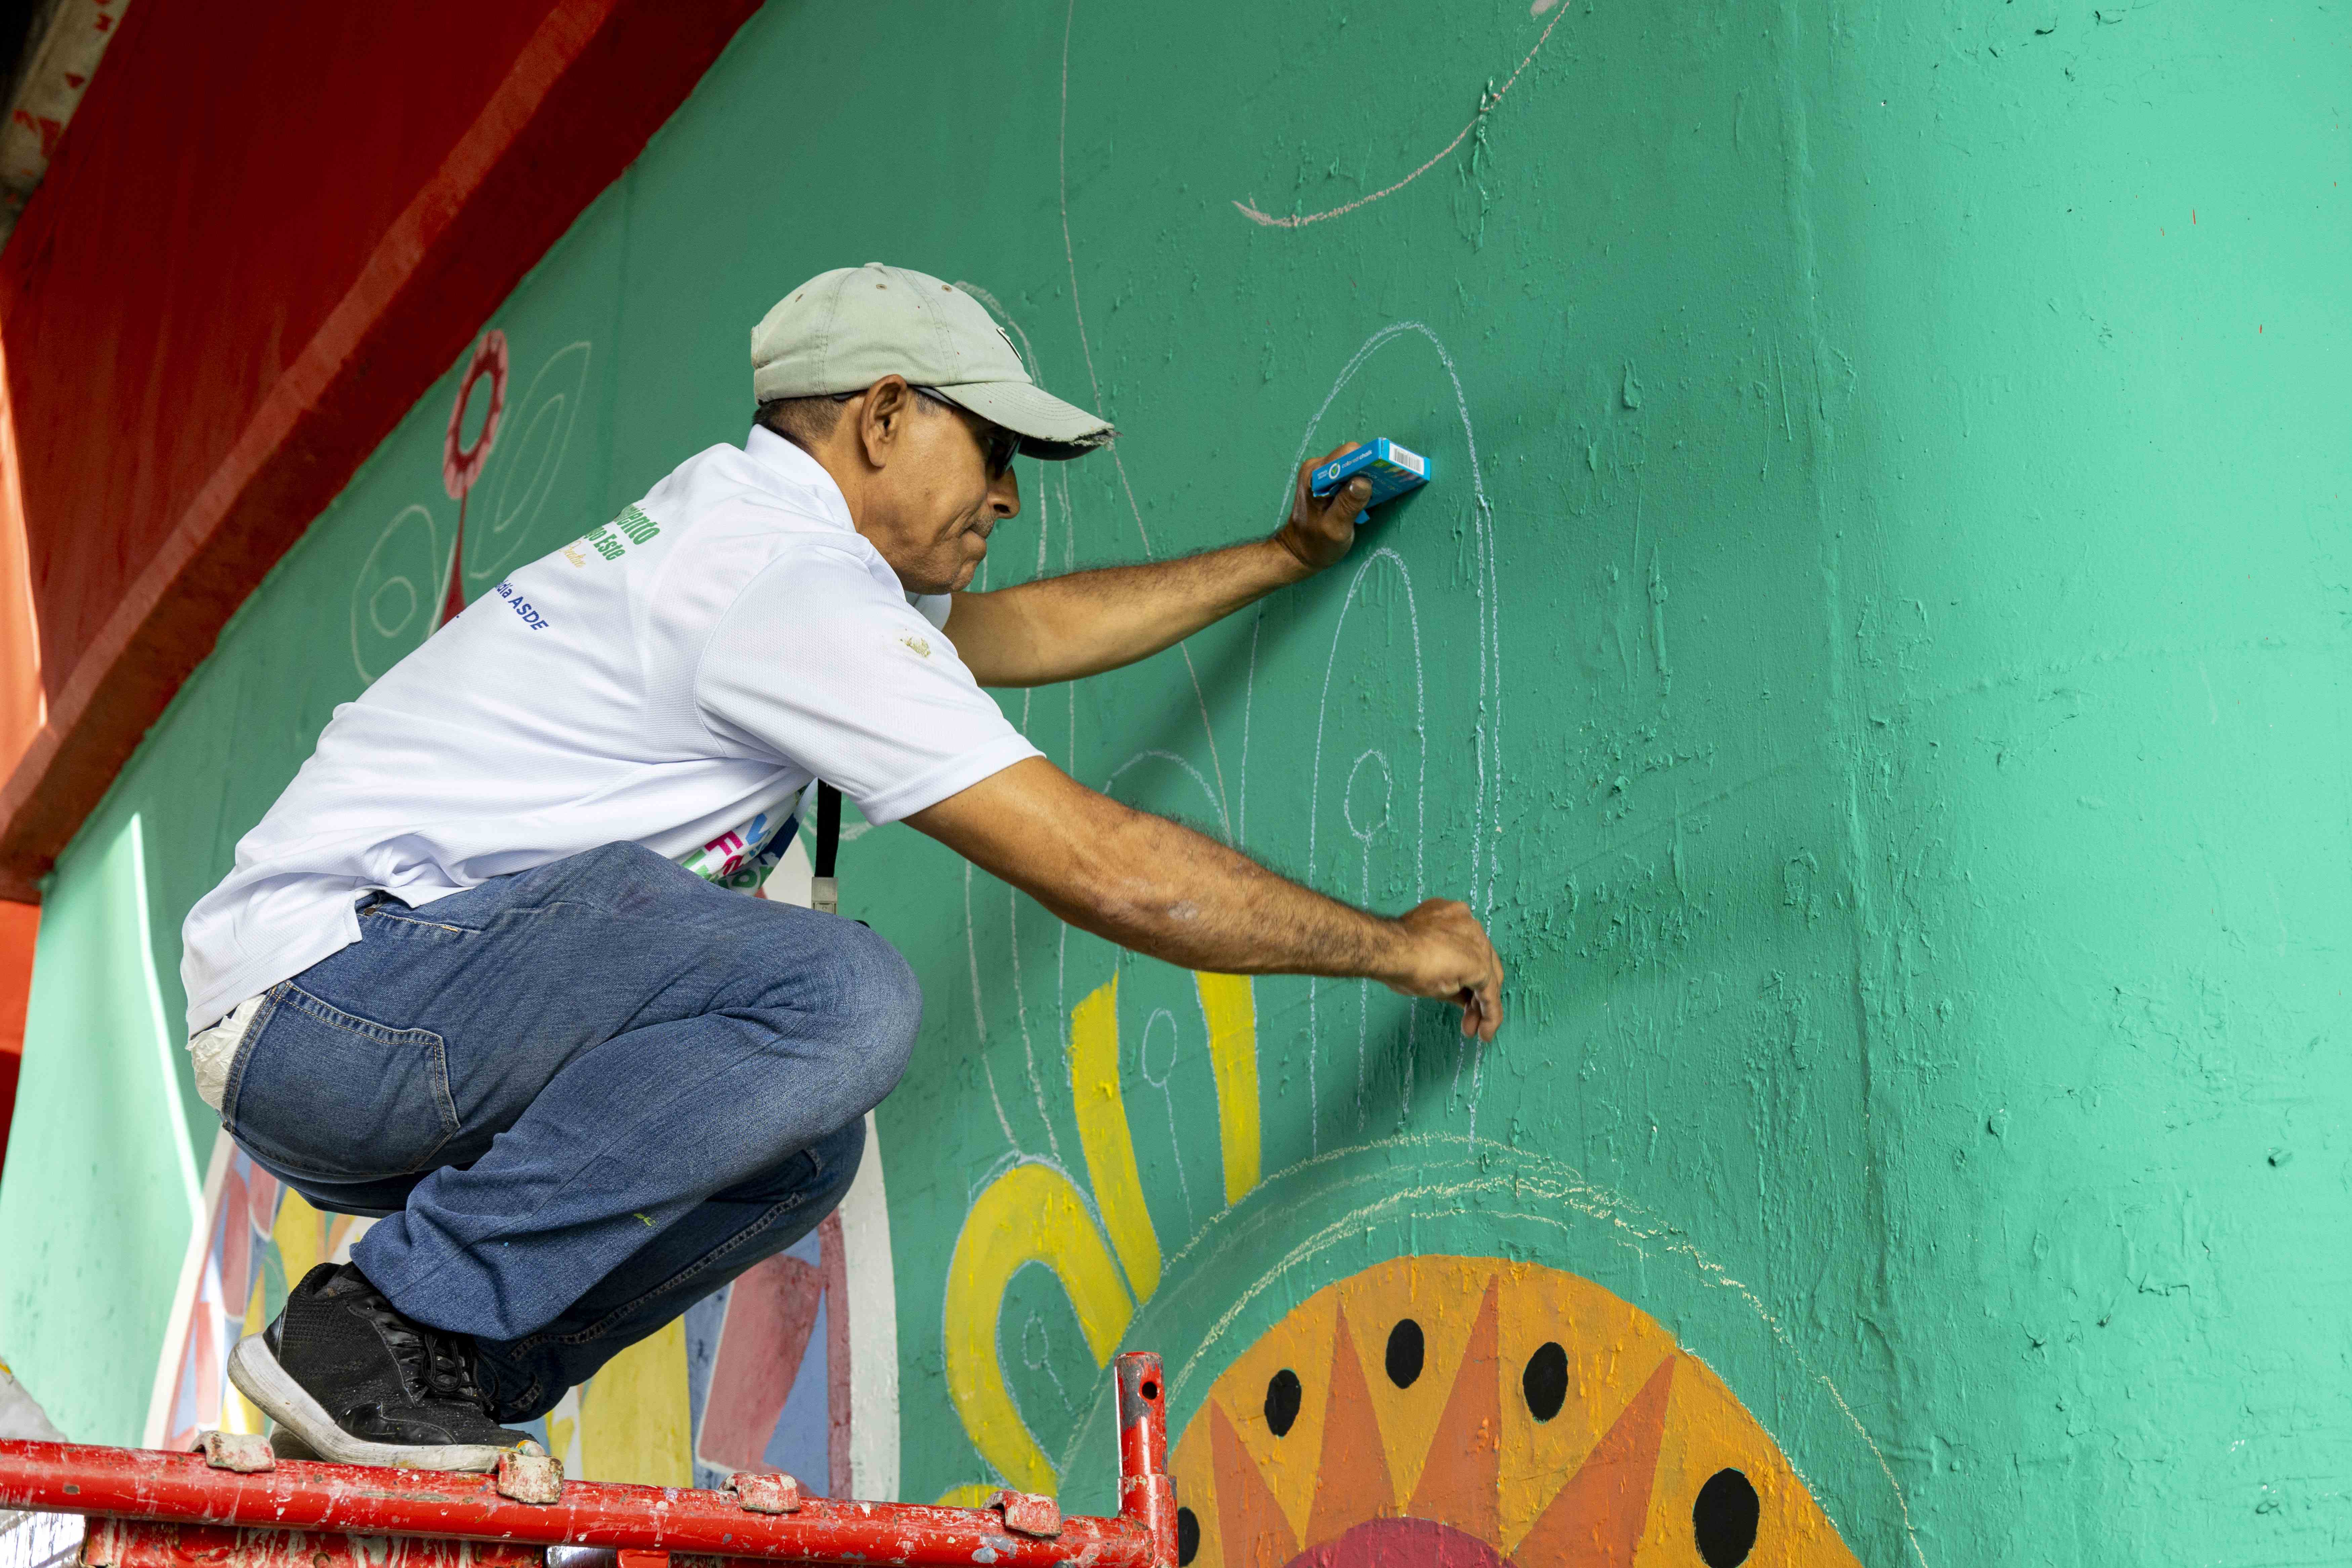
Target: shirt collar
{"points": [[779, 459]]}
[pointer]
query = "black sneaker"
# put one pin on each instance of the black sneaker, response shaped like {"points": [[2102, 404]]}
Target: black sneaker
{"points": [[342, 1373]]}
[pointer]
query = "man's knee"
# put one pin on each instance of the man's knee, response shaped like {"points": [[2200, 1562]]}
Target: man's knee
{"points": [[871, 990]]}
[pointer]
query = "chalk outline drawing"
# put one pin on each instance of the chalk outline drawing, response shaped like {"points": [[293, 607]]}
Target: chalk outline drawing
{"points": [[367, 591], [1099, 1241], [1488, 730], [1086, 346], [1057, 1223], [531, 412], [1164, 1081], [402, 580], [1487, 103], [1057, 488]]}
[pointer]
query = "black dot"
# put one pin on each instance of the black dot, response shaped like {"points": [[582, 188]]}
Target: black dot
{"points": [[1405, 1350], [1724, 1519], [1188, 1536], [1282, 1395], [1148, 1389], [1545, 1383]]}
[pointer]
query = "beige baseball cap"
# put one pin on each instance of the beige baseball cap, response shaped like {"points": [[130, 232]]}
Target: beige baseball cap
{"points": [[843, 331]]}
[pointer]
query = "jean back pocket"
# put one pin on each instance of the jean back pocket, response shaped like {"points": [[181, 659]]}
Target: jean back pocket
{"points": [[326, 1092]]}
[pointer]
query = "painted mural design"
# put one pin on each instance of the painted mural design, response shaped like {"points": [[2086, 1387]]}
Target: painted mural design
{"points": [[1473, 1412], [755, 1377]]}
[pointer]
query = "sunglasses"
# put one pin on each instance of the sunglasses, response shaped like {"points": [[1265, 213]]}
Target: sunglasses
{"points": [[998, 446]]}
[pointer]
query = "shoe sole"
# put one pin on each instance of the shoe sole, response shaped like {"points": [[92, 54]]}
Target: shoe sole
{"points": [[259, 1377]]}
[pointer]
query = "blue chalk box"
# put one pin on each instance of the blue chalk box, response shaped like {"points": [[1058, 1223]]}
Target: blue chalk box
{"points": [[1391, 469]]}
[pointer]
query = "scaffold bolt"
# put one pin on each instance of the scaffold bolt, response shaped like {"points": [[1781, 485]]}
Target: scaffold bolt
{"points": [[766, 1494], [530, 1477], [1029, 1513], [246, 1453]]}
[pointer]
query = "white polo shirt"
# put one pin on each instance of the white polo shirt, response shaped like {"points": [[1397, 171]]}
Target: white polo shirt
{"points": [[675, 678]]}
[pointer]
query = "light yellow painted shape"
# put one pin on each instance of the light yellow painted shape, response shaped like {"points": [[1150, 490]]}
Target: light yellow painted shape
{"points": [[1230, 1008], [971, 1494], [1031, 1213], [636, 1423], [559, 1435], [1109, 1148], [1708, 1430], [299, 1232]]}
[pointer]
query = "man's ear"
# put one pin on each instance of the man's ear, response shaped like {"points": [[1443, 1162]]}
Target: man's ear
{"points": [[883, 416]]}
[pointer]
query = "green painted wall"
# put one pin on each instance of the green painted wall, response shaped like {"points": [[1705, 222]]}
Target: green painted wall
{"points": [[1875, 648], [102, 1185]]}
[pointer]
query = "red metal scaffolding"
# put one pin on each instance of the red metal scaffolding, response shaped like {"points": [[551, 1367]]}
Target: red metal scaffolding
{"points": [[235, 1505]]}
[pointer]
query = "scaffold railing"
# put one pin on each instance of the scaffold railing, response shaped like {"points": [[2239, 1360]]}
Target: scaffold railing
{"points": [[234, 1504]]}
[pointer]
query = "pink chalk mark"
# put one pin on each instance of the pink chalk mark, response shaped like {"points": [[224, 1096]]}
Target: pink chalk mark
{"points": [[1300, 220]]}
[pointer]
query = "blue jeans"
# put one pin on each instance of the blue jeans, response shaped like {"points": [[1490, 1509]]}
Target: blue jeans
{"points": [[581, 1096]]}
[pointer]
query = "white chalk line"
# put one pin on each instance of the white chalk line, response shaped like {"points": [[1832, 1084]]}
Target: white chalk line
{"points": [[1048, 491], [980, 1012], [1085, 347], [1314, 818], [1487, 104], [1165, 1084], [1485, 864], [1224, 826]]}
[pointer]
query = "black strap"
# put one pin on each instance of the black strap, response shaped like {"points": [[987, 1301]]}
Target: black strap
{"points": [[828, 827]]}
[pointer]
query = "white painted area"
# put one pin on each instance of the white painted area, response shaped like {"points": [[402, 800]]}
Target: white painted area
{"points": [[872, 1308], [167, 1041], [789, 882], [184, 1298], [21, 1415], [342, 1253], [202, 1196]]}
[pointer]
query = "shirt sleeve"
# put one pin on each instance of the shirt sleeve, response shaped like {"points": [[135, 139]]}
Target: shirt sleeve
{"points": [[818, 665], [934, 608]]}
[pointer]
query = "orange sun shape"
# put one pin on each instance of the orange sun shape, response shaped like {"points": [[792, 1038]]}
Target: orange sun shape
{"points": [[1476, 1412]]}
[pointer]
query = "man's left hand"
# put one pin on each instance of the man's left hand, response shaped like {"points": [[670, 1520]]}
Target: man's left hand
{"points": [[1322, 527]]}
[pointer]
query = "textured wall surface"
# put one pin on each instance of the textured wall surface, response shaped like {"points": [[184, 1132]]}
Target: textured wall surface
{"points": [[1874, 649]]}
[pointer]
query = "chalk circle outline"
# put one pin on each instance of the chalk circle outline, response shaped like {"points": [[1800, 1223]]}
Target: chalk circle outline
{"points": [[1374, 1202], [461, 465], [1387, 796], [562, 403], [1486, 590], [367, 599]]}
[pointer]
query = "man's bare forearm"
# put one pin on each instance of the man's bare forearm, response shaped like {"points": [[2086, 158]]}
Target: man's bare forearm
{"points": [[1161, 889], [1059, 629], [1182, 896], [1154, 885]]}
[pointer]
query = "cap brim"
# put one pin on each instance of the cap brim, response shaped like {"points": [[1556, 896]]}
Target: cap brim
{"points": [[1049, 427]]}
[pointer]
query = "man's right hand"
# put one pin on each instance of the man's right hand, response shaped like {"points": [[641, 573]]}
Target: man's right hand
{"points": [[1446, 955]]}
